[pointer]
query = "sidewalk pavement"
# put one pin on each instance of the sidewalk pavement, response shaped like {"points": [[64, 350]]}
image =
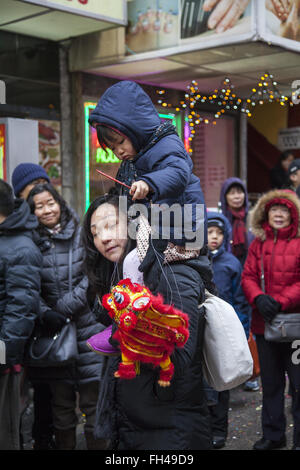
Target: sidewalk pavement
{"points": [[244, 427]]}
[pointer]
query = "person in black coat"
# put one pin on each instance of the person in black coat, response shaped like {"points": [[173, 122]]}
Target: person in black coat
{"points": [[138, 414], [279, 174], [63, 295], [20, 266]]}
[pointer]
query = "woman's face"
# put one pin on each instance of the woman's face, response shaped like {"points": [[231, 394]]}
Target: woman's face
{"points": [[279, 216], [47, 209], [109, 231], [235, 197]]}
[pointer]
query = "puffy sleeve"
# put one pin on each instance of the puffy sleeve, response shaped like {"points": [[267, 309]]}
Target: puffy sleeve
{"points": [[251, 282], [22, 285], [168, 178]]}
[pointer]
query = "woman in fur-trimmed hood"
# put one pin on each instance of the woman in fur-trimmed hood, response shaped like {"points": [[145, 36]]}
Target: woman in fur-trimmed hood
{"points": [[275, 253]]}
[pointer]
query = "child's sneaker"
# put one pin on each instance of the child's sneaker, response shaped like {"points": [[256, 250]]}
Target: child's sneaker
{"points": [[251, 386], [100, 344]]}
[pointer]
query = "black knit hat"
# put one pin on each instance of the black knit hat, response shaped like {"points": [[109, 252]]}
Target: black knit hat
{"points": [[7, 201], [25, 173]]}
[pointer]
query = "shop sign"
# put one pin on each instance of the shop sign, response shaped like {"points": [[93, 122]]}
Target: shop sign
{"points": [[289, 139]]}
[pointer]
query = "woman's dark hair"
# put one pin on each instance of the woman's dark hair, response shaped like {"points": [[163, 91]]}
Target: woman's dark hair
{"points": [[284, 155], [65, 213], [100, 271], [235, 186], [106, 135]]}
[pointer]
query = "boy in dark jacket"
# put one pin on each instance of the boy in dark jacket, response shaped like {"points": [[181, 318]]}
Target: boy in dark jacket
{"points": [[227, 271], [20, 263], [155, 163]]}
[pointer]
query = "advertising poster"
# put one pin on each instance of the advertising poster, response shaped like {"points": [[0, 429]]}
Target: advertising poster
{"points": [[206, 19], [2, 153], [49, 151], [152, 25], [280, 22], [155, 24]]}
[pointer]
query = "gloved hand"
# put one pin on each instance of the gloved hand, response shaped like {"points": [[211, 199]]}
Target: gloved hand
{"points": [[267, 306], [53, 320]]}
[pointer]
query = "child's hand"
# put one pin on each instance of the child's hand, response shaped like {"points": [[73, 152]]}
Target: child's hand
{"points": [[139, 190]]}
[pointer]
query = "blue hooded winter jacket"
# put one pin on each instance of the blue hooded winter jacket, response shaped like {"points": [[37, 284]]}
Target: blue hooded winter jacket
{"points": [[227, 272], [165, 166]]}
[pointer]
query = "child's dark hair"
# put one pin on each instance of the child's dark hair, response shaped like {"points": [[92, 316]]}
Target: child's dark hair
{"points": [[65, 213], [106, 135], [99, 270], [6, 199]]}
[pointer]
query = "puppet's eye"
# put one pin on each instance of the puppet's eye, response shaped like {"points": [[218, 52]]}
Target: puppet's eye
{"points": [[141, 303], [119, 298]]}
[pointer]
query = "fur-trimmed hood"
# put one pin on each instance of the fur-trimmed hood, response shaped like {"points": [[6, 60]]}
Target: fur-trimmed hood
{"points": [[258, 215]]}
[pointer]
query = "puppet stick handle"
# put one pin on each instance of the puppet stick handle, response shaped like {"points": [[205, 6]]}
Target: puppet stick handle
{"points": [[111, 178]]}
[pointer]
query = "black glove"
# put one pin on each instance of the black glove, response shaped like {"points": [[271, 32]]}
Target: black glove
{"points": [[267, 306], [54, 321]]}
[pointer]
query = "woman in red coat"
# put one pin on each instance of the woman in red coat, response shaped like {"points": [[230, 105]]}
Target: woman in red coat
{"points": [[275, 223]]}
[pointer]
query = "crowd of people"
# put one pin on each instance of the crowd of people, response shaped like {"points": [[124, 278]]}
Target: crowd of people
{"points": [[55, 269]]}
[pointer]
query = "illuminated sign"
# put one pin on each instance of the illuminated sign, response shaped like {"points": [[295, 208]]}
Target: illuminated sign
{"points": [[2, 152], [115, 11]]}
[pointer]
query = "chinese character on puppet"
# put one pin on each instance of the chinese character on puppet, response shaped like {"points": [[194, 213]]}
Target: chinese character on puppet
{"points": [[148, 330]]}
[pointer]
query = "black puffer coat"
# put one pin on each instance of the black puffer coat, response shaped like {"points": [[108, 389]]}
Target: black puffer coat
{"points": [[20, 266], [59, 252], [138, 414]]}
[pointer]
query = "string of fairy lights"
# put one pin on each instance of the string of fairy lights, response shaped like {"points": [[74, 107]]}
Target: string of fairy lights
{"points": [[224, 100]]}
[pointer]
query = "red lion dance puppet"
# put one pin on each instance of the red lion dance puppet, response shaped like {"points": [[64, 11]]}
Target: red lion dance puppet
{"points": [[148, 330]]}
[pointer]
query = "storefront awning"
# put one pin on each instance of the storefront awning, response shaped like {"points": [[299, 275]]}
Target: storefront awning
{"points": [[244, 63], [58, 20]]}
